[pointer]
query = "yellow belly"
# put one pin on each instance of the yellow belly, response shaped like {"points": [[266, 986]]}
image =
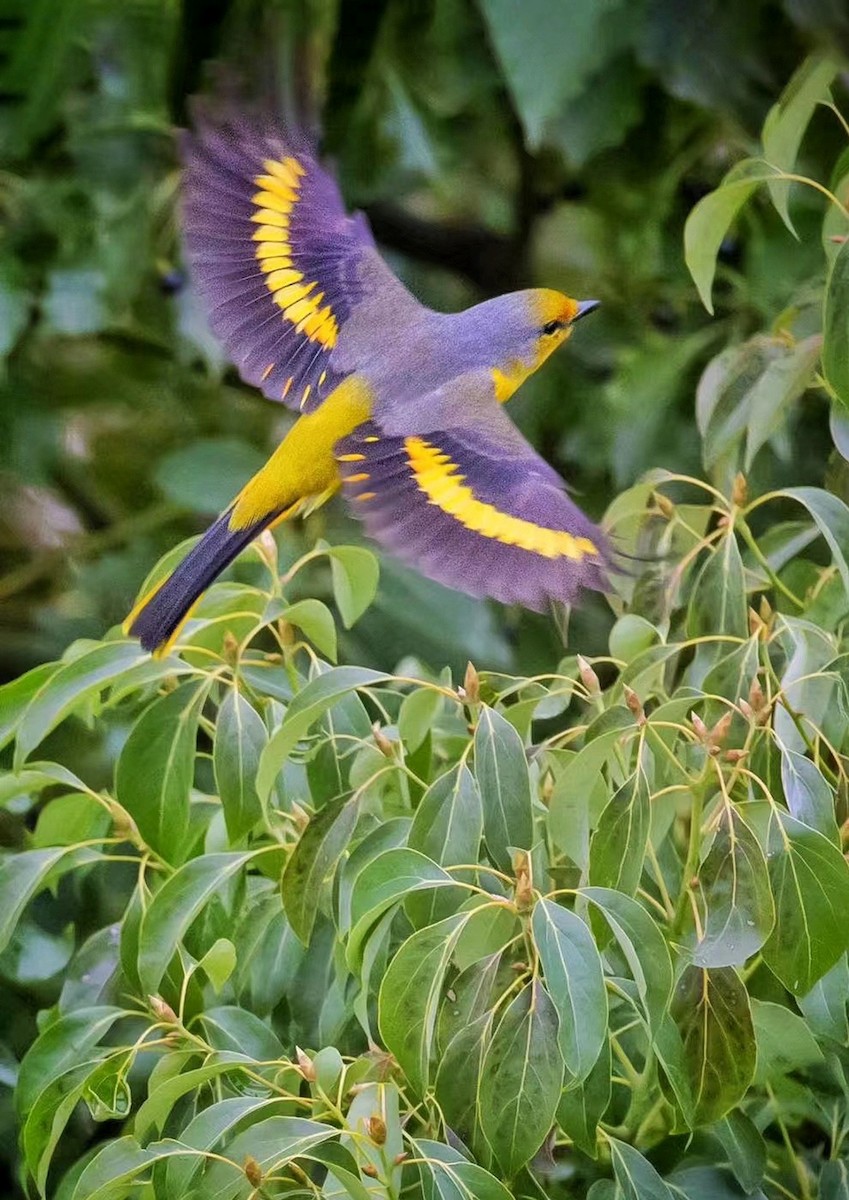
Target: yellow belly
{"points": [[304, 465]]}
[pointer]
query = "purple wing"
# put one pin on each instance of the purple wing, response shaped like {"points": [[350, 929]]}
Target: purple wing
{"points": [[484, 515], [273, 252]]}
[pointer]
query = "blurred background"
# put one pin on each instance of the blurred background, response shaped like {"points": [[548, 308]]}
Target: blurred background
{"points": [[494, 144]]}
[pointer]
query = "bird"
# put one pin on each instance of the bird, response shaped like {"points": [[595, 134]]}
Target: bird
{"points": [[401, 408]]}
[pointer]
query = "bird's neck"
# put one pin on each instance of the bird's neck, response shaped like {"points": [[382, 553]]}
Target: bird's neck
{"points": [[509, 377]]}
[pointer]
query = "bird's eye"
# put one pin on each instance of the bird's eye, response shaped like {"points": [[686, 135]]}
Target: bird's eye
{"points": [[552, 327]]}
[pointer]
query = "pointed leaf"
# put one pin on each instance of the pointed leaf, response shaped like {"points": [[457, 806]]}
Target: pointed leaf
{"points": [[240, 737], [306, 707], [582, 1107], [521, 1077], [810, 885], [635, 1175], [410, 996], [618, 846], [155, 769], [643, 946], [733, 894], [176, 905], [314, 860], [501, 769], [575, 982]]}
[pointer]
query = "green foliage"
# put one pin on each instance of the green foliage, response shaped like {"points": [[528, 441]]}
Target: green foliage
{"points": [[572, 927]]}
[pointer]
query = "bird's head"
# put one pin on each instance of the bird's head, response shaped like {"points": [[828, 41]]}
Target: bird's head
{"points": [[552, 318]]}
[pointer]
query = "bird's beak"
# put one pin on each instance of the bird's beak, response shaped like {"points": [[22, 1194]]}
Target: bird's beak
{"points": [[584, 307]]}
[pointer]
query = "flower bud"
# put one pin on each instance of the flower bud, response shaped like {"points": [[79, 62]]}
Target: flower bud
{"points": [[162, 1010], [635, 705], [253, 1171], [382, 741], [376, 1129], [588, 677], [305, 1064], [739, 491], [471, 685]]}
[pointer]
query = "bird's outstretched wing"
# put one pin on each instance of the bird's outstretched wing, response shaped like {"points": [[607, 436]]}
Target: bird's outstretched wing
{"points": [[473, 506], [273, 252]]}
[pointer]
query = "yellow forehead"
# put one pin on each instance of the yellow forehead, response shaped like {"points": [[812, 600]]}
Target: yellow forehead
{"points": [[554, 306]]}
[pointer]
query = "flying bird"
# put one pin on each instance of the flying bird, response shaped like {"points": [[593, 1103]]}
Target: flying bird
{"points": [[400, 406]]}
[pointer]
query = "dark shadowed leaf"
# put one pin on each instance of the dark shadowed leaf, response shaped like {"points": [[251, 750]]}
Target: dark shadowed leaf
{"points": [[582, 1107], [313, 861], [711, 1009]]}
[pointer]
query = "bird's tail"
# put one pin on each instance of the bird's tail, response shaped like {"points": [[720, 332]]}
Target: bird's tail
{"points": [[159, 615]]}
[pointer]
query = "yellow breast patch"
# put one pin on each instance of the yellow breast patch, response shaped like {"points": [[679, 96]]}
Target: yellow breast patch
{"points": [[297, 297], [440, 480]]}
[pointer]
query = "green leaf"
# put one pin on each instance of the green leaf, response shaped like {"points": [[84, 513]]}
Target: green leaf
{"points": [[418, 712], [206, 1131], [831, 516], [458, 1077], [834, 1181], [710, 219], [825, 1005], [307, 706], [710, 1183], [549, 56], [385, 882], [635, 1175], [501, 770], [25, 874], [356, 573], [810, 885], [643, 946], [219, 962], [784, 1042], [835, 325], [446, 1175], [575, 982], [240, 738], [582, 1107], [16, 696], [175, 906], [204, 476], [618, 846], [742, 1141], [63, 1044], [155, 769], [314, 860], [70, 687], [808, 795], [719, 604], [316, 621], [782, 383], [447, 827], [733, 895], [411, 993], [788, 119], [118, 1165], [711, 1010], [521, 1078]]}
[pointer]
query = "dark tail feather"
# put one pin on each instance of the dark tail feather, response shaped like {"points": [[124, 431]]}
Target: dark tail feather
{"points": [[158, 616]]}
